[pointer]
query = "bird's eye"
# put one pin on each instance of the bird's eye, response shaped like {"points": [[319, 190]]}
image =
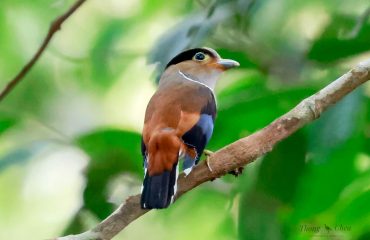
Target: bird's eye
{"points": [[199, 56]]}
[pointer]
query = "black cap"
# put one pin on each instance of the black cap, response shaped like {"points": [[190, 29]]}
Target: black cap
{"points": [[189, 54]]}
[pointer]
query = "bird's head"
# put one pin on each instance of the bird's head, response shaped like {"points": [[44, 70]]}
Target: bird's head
{"points": [[203, 65]]}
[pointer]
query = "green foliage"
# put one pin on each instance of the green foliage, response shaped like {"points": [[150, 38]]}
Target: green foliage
{"points": [[276, 186], [190, 33], [258, 217], [103, 72], [332, 159], [252, 94], [337, 35], [22, 154], [112, 152], [91, 86], [6, 122]]}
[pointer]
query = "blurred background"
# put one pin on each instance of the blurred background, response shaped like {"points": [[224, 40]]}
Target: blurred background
{"points": [[70, 133]]}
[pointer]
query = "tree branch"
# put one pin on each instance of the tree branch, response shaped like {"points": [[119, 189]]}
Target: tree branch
{"points": [[239, 153], [54, 27]]}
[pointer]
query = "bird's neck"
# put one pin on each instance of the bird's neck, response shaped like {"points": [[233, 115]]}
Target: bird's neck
{"points": [[209, 82]]}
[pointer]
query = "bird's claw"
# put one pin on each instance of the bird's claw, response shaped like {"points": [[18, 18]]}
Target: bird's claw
{"points": [[208, 154]]}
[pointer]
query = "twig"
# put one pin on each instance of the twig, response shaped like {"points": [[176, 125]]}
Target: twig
{"points": [[239, 153], [54, 27]]}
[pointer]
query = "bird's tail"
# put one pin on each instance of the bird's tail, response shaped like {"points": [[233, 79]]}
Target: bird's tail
{"points": [[159, 190], [161, 170]]}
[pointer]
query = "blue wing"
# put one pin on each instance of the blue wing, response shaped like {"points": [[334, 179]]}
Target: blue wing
{"points": [[199, 135]]}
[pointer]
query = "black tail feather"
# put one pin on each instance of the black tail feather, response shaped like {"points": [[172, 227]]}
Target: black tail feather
{"points": [[158, 190]]}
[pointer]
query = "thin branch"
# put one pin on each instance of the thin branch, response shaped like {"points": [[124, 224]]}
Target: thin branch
{"points": [[54, 27], [239, 153]]}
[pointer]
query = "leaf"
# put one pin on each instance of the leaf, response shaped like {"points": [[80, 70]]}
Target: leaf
{"points": [[102, 61], [334, 142], [366, 131], [357, 210], [207, 206], [246, 109], [277, 182], [6, 122], [192, 32], [331, 46], [23, 153], [258, 217], [112, 152], [151, 7], [281, 169], [365, 235], [241, 57]]}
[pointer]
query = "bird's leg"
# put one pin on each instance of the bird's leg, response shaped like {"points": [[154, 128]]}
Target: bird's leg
{"points": [[190, 156], [208, 154]]}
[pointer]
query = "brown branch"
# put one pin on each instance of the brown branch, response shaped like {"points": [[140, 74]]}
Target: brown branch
{"points": [[239, 153], [54, 27]]}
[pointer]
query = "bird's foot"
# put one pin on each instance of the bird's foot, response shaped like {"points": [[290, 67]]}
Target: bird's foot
{"points": [[237, 171], [208, 154]]}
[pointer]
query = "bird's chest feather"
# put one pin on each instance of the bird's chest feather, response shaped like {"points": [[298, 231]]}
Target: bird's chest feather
{"points": [[176, 107]]}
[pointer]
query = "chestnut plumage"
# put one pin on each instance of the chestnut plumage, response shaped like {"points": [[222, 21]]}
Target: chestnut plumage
{"points": [[179, 121]]}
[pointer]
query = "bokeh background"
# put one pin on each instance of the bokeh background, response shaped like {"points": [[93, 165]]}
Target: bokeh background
{"points": [[70, 133]]}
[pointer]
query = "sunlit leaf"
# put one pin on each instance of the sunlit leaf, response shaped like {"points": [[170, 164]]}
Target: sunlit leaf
{"points": [[336, 41], [112, 152]]}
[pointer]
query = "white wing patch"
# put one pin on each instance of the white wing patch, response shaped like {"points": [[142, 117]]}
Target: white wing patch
{"points": [[175, 187]]}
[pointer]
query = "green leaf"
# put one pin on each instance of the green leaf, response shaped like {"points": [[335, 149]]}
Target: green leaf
{"points": [[366, 130], [112, 152], [365, 235], [151, 7], [258, 217], [103, 63], [192, 32], [281, 169], [334, 142], [207, 206], [357, 210], [241, 57], [245, 109], [277, 183], [6, 122], [335, 42]]}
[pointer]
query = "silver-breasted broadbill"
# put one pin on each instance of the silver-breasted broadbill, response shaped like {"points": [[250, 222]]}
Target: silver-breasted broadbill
{"points": [[179, 121]]}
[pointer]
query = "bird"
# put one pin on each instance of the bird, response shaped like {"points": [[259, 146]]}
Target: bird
{"points": [[179, 121]]}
